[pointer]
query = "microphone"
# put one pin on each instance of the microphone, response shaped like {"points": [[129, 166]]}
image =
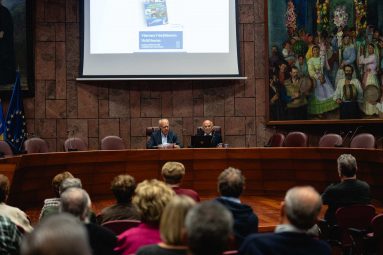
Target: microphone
{"points": [[356, 130], [344, 140]]}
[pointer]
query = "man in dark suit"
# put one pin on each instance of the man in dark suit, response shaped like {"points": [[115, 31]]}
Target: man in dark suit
{"points": [[208, 130], [299, 212], [348, 191], [163, 137], [76, 201]]}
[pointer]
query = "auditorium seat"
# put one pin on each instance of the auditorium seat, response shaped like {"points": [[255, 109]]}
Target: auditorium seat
{"points": [[150, 130], [75, 144], [369, 241], [119, 226], [5, 149], [35, 145], [276, 140], [356, 217], [112, 142], [330, 140], [296, 139], [216, 129], [363, 140]]}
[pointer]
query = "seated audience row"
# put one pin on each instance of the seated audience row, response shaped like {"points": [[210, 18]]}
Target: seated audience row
{"points": [[162, 215]]}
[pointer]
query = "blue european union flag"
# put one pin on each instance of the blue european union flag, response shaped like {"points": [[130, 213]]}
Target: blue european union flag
{"points": [[15, 125], [2, 122]]}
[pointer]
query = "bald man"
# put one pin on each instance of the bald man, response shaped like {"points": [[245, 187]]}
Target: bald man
{"points": [[299, 213], [163, 137], [208, 130]]}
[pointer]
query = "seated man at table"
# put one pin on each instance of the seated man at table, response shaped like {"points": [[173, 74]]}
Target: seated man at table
{"points": [[163, 137], [299, 213], [348, 191], [208, 130]]}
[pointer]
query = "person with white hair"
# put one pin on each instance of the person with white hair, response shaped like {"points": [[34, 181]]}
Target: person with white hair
{"points": [[348, 191], [163, 137], [76, 202], [59, 234], [299, 213], [209, 228]]}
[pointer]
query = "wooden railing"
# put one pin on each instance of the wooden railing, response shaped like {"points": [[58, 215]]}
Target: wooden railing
{"points": [[267, 170]]}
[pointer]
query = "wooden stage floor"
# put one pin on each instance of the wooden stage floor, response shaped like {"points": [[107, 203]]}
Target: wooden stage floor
{"points": [[267, 209]]}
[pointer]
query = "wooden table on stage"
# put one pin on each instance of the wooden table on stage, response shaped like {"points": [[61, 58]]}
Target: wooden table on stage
{"points": [[268, 171]]}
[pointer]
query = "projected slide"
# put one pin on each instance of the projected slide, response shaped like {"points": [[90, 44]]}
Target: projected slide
{"points": [[163, 26]]}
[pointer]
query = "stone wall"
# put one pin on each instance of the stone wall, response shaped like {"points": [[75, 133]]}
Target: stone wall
{"points": [[125, 108]]}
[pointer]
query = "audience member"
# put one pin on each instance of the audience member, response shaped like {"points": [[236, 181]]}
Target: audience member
{"points": [[51, 205], [150, 199], [60, 234], [10, 237], [123, 187], [163, 137], [14, 214], [208, 130], [76, 201], [299, 213], [54, 205], [231, 183], [173, 173], [209, 227], [171, 229], [348, 191]]}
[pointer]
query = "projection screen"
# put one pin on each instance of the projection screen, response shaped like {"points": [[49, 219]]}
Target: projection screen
{"points": [[159, 38]]}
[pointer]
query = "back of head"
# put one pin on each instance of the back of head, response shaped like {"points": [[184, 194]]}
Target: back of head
{"points": [[60, 234], [209, 226], [75, 201], [173, 172], [123, 187], [150, 199], [4, 188], [173, 219], [70, 183], [58, 179], [347, 166], [231, 182], [302, 206]]}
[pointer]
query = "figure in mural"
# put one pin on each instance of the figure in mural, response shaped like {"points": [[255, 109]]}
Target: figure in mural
{"points": [[370, 77], [297, 101], [349, 95], [321, 101], [347, 56], [276, 92], [7, 52]]}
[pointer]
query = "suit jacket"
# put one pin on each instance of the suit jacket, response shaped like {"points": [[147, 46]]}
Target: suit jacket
{"points": [[348, 192], [156, 139], [245, 220], [286, 243], [216, 138]]}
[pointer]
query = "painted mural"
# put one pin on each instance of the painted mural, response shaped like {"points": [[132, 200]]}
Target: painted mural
{"points": [[325, 59]]}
